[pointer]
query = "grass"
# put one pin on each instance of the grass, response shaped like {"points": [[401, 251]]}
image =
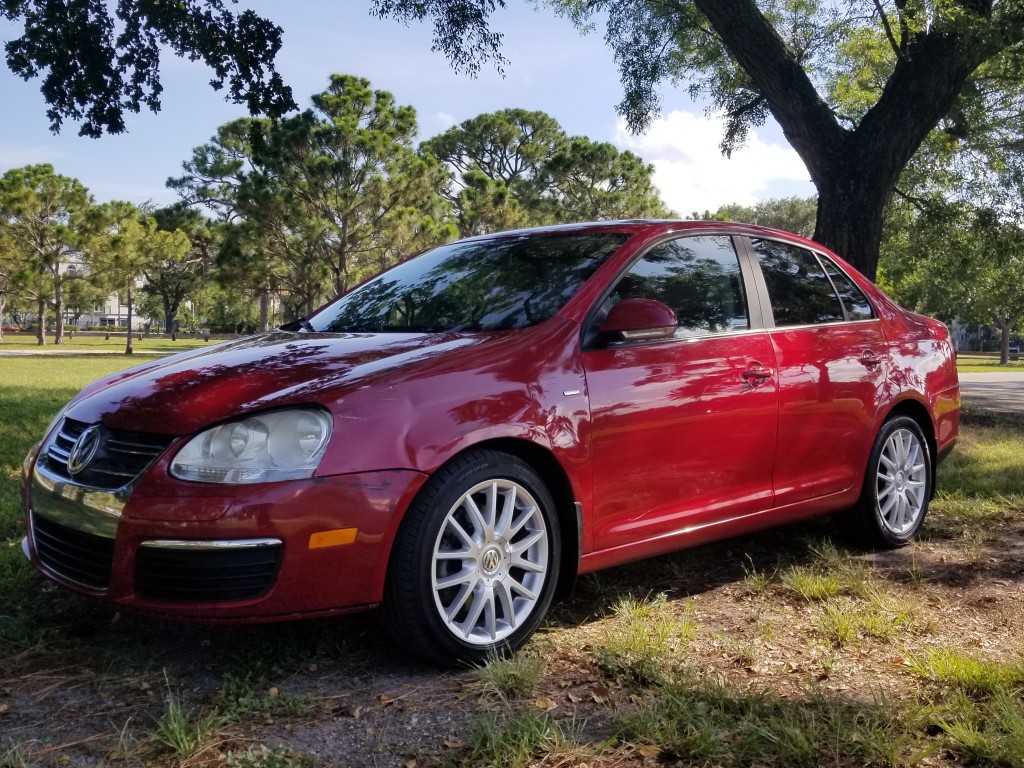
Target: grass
{"points": [[985, 362], [641, 643], [511, 739], [183, 733], [93, 342], [644, 656], [514, 677], [702, 723]]}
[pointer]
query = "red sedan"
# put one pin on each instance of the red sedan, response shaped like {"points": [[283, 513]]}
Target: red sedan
{"points": [[459, 437]]}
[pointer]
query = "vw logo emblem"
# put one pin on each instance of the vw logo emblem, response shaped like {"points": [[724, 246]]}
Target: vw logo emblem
{"points": [[84, 449], [491, 560]]}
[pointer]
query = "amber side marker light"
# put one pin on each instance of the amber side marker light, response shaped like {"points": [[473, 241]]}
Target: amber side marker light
{"points": [[334, 538]]}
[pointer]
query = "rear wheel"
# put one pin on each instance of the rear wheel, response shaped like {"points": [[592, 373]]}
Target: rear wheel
{"points": [[897, 486], [475, 563]]}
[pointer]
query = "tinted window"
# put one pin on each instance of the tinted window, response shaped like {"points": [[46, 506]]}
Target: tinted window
{"points": [[854, 301], [798, 289], [482, 285], [698, 277]]}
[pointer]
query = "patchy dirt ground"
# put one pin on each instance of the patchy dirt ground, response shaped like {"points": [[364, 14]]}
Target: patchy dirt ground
{"points": [[338, 693]]}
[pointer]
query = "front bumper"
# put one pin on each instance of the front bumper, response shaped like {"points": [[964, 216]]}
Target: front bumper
{"points": [[177, 550]]}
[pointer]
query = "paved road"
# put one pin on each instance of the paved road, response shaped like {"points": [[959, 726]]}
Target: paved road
{"points": [[999, 391]]}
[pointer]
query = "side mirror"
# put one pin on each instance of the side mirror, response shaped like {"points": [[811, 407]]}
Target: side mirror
{"points": [[640, 320]]}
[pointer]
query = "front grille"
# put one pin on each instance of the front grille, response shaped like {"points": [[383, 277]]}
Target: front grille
{"points": [[205, 575], [83, 558], [121, 457]]}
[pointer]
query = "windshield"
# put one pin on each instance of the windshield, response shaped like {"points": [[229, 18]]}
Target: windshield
{"points": [[481, 285]]}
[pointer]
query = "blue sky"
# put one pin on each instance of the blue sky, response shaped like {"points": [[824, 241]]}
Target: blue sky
{"points": [[552, 68]]}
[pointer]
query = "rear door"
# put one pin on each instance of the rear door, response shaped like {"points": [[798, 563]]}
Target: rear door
{"points": [[683, 434], [831, 366]]}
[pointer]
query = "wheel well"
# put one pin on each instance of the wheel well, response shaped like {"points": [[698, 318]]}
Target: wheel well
{"points": [[547, 466], [919, 413]]}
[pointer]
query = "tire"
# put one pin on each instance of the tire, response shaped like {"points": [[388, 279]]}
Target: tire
{"points": [[897, 487], [475, 562]]}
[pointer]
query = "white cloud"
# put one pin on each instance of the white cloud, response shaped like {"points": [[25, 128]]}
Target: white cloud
{"points": [[15, 157], [693, 174], [443, 120]]}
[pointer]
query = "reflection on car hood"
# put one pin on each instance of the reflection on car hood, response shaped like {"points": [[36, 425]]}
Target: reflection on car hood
{"points": [[188, 392]]}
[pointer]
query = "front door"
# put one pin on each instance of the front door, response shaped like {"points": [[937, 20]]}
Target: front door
{"points": [[683, 430]]}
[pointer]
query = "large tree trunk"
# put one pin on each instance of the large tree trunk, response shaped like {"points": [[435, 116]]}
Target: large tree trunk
{"points": [[41, 320], [855, 170], [264, 310], [168, 320]]}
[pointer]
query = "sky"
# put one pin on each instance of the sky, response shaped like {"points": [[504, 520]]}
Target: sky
{"points": [[551, 68]]}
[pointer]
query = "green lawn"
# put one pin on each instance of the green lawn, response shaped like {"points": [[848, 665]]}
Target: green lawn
{"points": [[747, 670], [96, 342], [985, 362]]}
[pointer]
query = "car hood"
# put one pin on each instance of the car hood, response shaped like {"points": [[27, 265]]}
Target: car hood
{"points": [[188, 392]]}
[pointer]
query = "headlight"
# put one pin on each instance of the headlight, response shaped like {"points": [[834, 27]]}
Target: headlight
{"points": [[281, 445]]}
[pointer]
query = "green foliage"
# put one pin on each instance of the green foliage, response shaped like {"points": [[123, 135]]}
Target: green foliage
{"points": [[792, 214], [518, 168], [93, 75], [952, 668], [811, 584], [183, 732], [704, 723], [322, 200], [642, 639], [514, 677], [990, 732], [512, 739], [41, 228], [265, 757]]}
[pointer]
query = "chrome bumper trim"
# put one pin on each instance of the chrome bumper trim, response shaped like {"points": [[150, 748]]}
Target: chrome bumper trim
{"points": [[211, 545], [84, 509]]}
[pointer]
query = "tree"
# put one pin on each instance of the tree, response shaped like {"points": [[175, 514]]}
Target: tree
{"points": [[958, 262], [323, 199], [508, 146], [348, 170], [516, 168], [587, 180], [123, 246], [785, 58], [792, 214], [40, 216], [175, 275], [96, 66]]}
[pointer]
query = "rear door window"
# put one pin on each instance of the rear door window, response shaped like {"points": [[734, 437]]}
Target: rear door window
{"points": [[798, 288]]}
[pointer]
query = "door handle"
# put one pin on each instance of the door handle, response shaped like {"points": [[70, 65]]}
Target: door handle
{"points": [[757, 376], [869, 359]]}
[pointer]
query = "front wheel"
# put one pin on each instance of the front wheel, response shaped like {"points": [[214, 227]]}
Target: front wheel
{"points": [[897, 486], [475, 562]]}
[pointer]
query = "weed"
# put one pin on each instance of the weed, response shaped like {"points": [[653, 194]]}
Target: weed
{"points": [[183, 733], [948, 667], [704, 723], [837, 623], [249, 694], [990, 733], [811, 584], [756, 582], [639, 642], [263, 757], [510, 678], [511, 739], [885, 615], [12, 755]]}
